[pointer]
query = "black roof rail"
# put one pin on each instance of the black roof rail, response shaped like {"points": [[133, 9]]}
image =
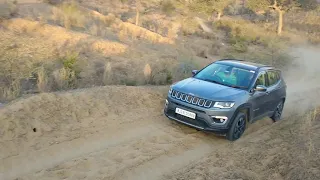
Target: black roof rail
{"points": [[230, 60]]}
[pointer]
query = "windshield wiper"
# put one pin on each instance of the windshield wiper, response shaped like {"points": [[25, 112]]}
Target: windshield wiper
{"points": [[229, 85], [213, 81], [240, 87]]}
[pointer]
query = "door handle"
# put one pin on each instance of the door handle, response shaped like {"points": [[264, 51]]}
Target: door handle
{"points": [[267, 92]]}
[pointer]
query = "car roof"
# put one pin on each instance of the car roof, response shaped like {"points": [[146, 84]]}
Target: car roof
{"points": [[242, 64]]}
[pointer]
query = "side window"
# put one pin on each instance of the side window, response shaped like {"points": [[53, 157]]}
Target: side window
{"points": [[273, 77], [261, 80]]}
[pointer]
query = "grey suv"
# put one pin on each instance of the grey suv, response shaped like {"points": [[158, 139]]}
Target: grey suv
{"points": [[226, 95]]}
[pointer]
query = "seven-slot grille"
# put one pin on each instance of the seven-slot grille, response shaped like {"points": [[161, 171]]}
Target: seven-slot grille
{"points": [[192, 99]]}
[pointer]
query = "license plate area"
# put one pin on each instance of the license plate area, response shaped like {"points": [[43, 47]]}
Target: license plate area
{"points": [[185, 113]]}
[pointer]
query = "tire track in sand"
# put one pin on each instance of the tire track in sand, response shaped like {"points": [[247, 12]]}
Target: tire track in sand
{"points": [[165, 164], [14, 167], [194, 147]]}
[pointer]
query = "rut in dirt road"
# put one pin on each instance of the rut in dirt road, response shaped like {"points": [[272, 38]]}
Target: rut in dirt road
{"points": [[47, 158], [169, 147]]}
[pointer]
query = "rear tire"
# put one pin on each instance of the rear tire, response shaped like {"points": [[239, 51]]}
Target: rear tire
{"points": [[238, 127], [278, 112]]}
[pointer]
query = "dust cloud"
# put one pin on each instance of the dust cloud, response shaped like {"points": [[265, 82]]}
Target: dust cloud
{"points": [[303, 80]]}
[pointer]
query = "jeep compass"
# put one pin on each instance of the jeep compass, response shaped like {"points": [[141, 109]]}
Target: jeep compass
{"points": [[226, 95]]}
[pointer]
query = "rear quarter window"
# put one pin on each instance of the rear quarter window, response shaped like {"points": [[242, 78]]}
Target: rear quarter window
{"points": [[273, 77]]}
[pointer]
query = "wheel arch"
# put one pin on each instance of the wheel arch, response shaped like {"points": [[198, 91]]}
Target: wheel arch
{"points": [[245, 108]]}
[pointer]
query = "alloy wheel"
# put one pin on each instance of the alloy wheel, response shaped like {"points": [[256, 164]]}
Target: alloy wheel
{"points": [[239, 128]]}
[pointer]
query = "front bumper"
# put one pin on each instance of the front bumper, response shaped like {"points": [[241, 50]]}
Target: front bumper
{"points": [[203, 119]]}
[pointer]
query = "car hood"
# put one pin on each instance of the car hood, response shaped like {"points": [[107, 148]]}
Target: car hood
{"points": [[208, 90]]}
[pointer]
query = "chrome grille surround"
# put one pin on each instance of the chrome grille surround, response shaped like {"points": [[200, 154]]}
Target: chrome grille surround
{"points": [[192, 99]]}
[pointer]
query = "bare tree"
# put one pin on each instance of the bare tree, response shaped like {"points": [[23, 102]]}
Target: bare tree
{"points": [[138, 5], [280, 6]]}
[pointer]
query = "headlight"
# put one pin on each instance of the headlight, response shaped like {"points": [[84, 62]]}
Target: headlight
{"points": [[223, 105]]}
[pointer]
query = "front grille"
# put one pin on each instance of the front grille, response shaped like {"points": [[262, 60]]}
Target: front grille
{"points": [[191, 99]]}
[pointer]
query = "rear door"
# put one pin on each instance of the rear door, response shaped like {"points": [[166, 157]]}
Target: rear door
{"points": [[274, 89], [259, 100]]}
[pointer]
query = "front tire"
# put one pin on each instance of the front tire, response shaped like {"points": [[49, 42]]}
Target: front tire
{"points": [[278, 112], [238, 127]]}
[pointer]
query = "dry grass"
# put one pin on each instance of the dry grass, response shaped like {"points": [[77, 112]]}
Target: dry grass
{"points": [[108, 48], [189, 26], [60, 36], [41, 46], [128, 30], [308, 23], [245, 31]]}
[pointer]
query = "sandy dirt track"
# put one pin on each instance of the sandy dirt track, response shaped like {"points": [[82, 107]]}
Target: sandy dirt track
{"points": [[119, 145], [120, 132]]}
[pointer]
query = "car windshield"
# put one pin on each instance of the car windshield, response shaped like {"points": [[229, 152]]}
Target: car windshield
{"points": [[226, 75]]}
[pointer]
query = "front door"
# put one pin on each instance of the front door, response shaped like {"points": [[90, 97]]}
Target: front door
{"points": [[260, 100], [273, 89]]}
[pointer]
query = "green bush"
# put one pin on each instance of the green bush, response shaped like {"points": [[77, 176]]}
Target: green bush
{"points": [[69, 60], [68, 75]]}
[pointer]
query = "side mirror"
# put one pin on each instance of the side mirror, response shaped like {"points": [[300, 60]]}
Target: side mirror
{"points": [[261, 88], [194, 72]]}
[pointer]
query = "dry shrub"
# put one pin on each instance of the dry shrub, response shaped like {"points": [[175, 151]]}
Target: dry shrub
{"points": [[11, 91], [7, 9], [314, 39], [159, 72], [107, 73], [22, 26], [174, 30], [69, 15], [167, 7], [244, 32], [64, 78], [13, 70], [147, 72], [42, 79], [119, 73], [67, 76], [52, 2], [95, 30], [185, 66], [189, 26], [107, 20]]}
